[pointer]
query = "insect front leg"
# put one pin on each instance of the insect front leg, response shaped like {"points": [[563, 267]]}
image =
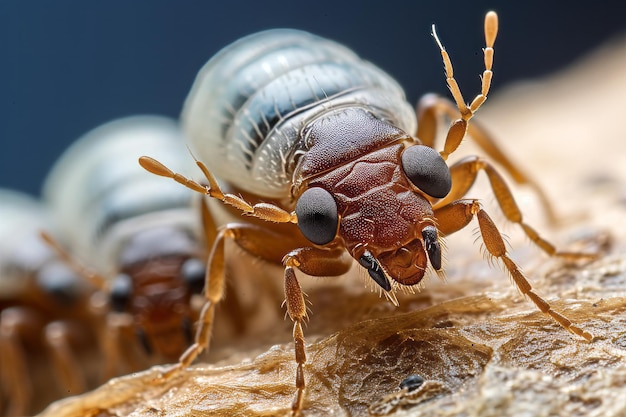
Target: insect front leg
{"points": [[264, 211], [316, 262], [464, 174], [458, 214], [458, 128]]}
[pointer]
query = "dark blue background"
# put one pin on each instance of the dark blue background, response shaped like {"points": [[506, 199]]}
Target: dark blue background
{"points": [[68, 66]]}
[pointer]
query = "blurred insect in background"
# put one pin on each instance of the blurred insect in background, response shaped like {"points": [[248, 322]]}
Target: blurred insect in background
{"points": [[47, 332], [414, 389], [137, 240], [303, 132]]}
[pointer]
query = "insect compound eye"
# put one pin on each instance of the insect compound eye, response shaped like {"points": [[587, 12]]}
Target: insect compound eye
{"points": [[429, 233], [370, 263], [427, 170], [193, 273], [317, 215], [121, 291]]}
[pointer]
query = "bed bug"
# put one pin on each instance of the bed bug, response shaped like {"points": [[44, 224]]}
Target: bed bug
{"points": [[137, 240], [330, 164], [45, 324]]}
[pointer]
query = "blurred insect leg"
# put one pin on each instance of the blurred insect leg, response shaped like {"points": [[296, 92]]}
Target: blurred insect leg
{"points": [[458, 214], [486, 142], [464, 174], [316, 262], [92, 277], [264, 211], [15, 322], [58, 336], [117, 356], [258, 241], [458, 128], [428, 115], [431, 107]]}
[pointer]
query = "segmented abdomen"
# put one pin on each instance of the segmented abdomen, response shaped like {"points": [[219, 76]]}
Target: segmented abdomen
{"points": [[100, 196], [250, 102]]}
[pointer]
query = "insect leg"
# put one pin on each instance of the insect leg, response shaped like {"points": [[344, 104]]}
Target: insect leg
{"points": [[262, 211], [90, 276], [14, 373], [258, 241], [58, 336], [458, 128], [316, 262], [296, 308], [213, 293], [464, 173], [209, 226], [117, 355], [432, 106], [110, 342], [235, 310], [459, 213], [428, 113]]}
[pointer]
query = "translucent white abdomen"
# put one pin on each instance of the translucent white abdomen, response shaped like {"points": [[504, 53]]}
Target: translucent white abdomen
{"points": [[249, 104], [100, 195]]}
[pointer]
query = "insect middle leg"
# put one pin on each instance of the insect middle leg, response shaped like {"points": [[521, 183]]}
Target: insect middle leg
{"points": [[316, 262], [464, 174], [458, 214]]}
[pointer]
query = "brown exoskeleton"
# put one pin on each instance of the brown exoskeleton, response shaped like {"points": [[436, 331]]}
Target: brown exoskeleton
{"points": [[142, 243], [47, 334], [305, 133]]}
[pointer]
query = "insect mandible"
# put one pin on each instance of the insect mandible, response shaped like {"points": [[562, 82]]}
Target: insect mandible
{"points": [[324, 148]]}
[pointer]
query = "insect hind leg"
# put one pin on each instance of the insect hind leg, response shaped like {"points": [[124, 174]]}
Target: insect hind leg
{"points": [[458, 214]]}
